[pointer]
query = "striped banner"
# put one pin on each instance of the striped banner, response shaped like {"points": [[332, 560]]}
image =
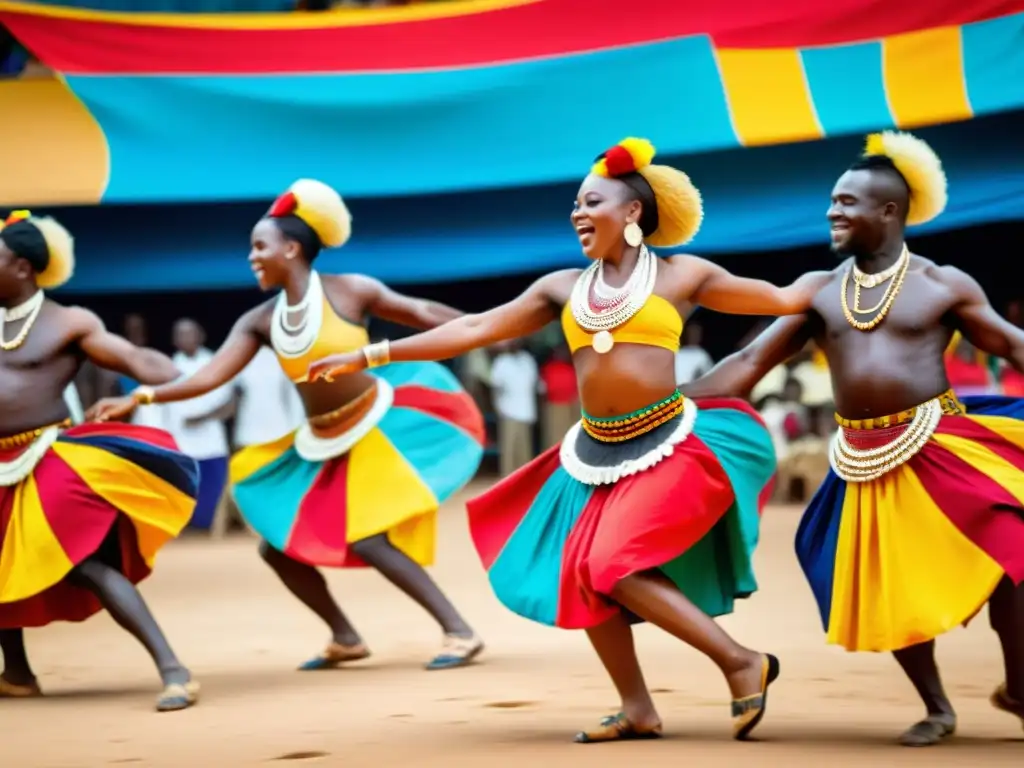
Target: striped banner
{"points": [[474, 94]]}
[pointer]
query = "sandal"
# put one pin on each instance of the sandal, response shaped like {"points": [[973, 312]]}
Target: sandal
{"points": [[178, 696], [929, 731], [334, 656], [1002, 701], [9, 690], [456, 652], [617, 728], [748, 712]]}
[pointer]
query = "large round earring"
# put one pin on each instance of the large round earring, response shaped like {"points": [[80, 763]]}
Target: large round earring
{"points": [[633, 234]]}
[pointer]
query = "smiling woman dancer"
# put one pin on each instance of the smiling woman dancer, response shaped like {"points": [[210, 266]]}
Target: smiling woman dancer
{"points": [[650, 507], [361, 482]]}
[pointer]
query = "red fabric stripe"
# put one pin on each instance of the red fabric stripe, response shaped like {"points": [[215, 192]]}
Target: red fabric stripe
{"points": [[456, 408], [494, 514], [640, 523], [319, 534], [77, 516], [149, 435], [982, 510], [548, 28]]}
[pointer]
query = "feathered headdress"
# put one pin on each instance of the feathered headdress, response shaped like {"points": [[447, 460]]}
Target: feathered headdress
{"points": [[920, 168], [680, 208], [320, 207], [44, 243]]}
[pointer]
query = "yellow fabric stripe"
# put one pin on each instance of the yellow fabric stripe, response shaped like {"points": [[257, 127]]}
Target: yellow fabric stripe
{"points": [[157, 509], [62, 154], [904, 574], [386, 494], [32, 559], [924, 77], [768, 95], [339, 17], [990, 464], [251, 459], [1011, 430]]}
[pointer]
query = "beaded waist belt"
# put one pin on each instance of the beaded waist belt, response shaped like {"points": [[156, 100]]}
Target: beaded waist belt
{"points": [[618, 429], [30, 435], [862, 465], [342, 419], [947, 401]]}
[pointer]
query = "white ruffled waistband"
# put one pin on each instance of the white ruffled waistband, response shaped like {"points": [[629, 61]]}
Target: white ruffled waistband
{"points": [[311, 447]]}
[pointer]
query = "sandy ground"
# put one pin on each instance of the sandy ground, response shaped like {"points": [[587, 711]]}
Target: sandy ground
{"points": [[534, 687]]}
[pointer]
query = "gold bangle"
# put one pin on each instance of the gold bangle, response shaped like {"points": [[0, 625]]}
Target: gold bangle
{"points": [[144, 395], [377, 354]]}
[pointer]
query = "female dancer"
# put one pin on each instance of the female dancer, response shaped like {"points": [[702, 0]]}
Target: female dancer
{"points": [[361, 482], [650, 506]]}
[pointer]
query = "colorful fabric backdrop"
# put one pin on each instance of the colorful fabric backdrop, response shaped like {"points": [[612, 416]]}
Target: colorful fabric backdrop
{"points": [[472, 121], [476, 94]]}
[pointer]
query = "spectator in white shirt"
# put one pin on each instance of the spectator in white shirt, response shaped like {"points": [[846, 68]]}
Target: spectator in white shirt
{"points": [[514, 382], [198, 424], [692, 360], [268, 404]]}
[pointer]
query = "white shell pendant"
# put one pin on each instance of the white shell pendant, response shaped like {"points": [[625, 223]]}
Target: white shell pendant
{"points": [[603, 342]]}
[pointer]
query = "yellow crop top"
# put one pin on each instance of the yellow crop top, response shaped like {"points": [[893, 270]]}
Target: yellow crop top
{"points": [[336, 336], [657, 324]]}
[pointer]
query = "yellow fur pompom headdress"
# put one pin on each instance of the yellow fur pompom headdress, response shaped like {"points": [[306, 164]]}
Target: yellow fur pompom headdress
{"points": [[319, 207], [680, 208], [920, 168], [44, 243]]}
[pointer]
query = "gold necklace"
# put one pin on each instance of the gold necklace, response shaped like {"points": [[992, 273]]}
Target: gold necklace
{"points": [[884, 306], [860, 279]]}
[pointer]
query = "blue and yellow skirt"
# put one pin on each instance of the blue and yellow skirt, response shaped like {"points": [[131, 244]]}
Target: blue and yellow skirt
{"points": [[901, 559], [419, 441]]}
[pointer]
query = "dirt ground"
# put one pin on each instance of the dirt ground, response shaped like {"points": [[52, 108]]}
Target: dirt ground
{"points": [[533, 688]]}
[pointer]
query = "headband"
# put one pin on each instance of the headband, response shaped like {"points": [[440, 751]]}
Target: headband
{"points": [[43, 243], [680, 208], [920, 168], [319, 207]]}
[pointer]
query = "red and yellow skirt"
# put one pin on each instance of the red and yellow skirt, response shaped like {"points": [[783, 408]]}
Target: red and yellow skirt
{"points": [[63, 492], [899, 558]]}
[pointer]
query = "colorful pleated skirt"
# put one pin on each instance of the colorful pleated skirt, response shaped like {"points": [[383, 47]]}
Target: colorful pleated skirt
{"points": [[90, 479], [421, 441], [557, 535], [901, 559]]}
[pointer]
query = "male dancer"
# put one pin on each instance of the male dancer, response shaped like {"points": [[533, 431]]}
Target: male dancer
{"points": [[921, 520], [83, 510]]}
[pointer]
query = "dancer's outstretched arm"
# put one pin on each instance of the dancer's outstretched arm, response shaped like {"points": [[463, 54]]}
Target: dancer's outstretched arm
{"points": [[527, 314], [115, 353], [737, 374], [974, 316], [234, 354], [387, 304], [720, 290]]}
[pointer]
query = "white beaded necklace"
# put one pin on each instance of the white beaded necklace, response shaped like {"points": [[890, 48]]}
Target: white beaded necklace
{"points": [[29, 309], [613, 306], [296, 339]]}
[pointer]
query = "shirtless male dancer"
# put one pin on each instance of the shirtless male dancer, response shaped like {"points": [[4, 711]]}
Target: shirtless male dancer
{"points": [[83, 509], [921, 520]]}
